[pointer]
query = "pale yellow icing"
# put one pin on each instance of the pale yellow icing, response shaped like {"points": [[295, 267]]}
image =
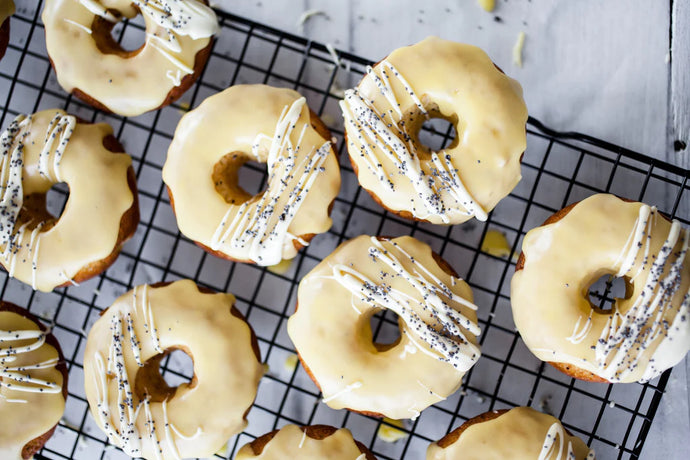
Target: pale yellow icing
{"points": [[176, 30], [6, 10], [519, 434], [264, 124], [331, 330], [199, 418], [43, 149], [31, 400], [460, 83], [292, 442], [642, 335]]}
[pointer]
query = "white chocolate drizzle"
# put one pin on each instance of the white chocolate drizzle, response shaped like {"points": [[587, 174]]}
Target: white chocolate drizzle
{"points": [[18, 378], [627, 337], [445, 332], [184, 17], [79, 26], [263, 224], [125, 433], [12, 151], [436, 181], [12, 146], [556, 436], [95, 7]]}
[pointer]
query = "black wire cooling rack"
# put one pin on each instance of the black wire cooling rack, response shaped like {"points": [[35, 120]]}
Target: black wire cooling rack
{"points": [[558, 169]]}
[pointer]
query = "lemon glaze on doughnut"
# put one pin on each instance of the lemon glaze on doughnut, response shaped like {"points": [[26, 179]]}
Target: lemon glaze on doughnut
{"points": [[200, 416], [430, 79], [292, 441], [31, 399], [38, 151], [644, 334], [176, 30], [331, 332], [521, 433], [264, 124]]}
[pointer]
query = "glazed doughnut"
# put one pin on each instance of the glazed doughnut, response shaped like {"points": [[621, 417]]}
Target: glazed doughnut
{"points": [[129, 399], [436, 79], [521, 433], [436, 317], [314, 442], [643, 334], [252, 123], [101, 213], [33, 383], [90, 64], [6, 10]]}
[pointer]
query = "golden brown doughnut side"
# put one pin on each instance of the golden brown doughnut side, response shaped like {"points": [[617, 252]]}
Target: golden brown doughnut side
{"points": [[325, 133], [569, 369], [317, 432], [36, 444], [454, 435], [128, 222], [445, 266], [4, 36]]}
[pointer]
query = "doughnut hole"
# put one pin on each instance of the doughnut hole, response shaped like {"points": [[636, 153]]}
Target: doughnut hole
{"points": [[434, 132], [103, 32], [237, 178], [382, 329], [44, 208], [607, 289], [150, 380]]}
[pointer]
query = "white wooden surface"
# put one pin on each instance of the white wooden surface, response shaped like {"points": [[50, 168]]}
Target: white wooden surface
{"points": [[599, 67]]}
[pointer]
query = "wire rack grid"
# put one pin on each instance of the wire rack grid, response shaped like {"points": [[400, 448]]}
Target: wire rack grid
{"points": [[558, 169]]}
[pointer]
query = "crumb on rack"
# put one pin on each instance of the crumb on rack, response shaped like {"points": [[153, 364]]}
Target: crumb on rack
{"points": [[517, 49], [487, 5], [495, 244], [290, 363], [389, 430]]}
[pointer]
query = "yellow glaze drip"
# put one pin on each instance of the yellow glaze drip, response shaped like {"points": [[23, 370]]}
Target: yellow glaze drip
{"points": [[258, 123], [519, 434], [430, 79], [332, 334], [47, 148], [26, 412], [642, 335], [200, 417], [292, 442], [6, 10], [133, 85]]}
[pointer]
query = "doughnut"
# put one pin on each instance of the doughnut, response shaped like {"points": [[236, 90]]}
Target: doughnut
{"points": [[252, 123], [521, 433], [437, 321], [93, 66], [6, 10], [101, 213], [436, 78], [309, 442], [33, 383], [644, 333], [132, 403]]}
